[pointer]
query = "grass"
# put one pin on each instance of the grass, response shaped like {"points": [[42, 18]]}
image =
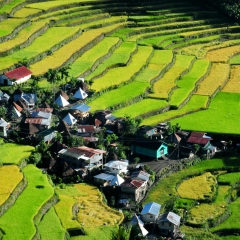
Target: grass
{"points": [[22, 36], [8, 184], [222, 54], [64, 211], [163, 87], [7, 26], [7, 8], [116, 76], [235, 59], [196, 103], [167, 187], [50, 38], [12, 153], [229, 179], [17, 222], [221, 116], [216, 79], [198, 188], [26, 12], [59, 57], [233, 84], [98, 232], [144, 106], [188, 82], [119, 57], [230, 222], [56, 231], [119, 95], [92, 211], [87, 60]]}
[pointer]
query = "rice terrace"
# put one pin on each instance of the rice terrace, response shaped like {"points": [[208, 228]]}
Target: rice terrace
{"points": [[158, 60]]}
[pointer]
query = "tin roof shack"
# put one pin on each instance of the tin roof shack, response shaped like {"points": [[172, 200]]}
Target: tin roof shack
{"points": [[140, 175], [154, 149], [16, 76], [26, 100], [133, 189], [169, 223], [86, 130], [116, 167], [147, 131], [150, 212], [103, 179], [46, 136], [82, 157]]}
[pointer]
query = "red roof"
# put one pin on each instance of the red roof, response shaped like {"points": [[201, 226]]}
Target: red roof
{"points": [[86, 129], [197, 140], [197, 134], [33, 120], [18, 73], [17, 107], [86, 151], [46, 110]]}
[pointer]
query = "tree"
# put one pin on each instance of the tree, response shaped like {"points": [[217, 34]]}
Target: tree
{"points": [[35, 158], [130, 125], [74, 141], [64, 72], [110, 138], [3, 111]]}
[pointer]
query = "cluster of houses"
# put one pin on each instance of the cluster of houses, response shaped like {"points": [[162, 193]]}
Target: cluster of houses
{"points": [[150, 219]]}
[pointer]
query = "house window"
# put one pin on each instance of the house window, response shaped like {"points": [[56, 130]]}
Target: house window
{"points": [[162, 223], [170, 224], [151, 216]]}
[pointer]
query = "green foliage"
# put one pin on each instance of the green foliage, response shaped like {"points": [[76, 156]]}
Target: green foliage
{"points": [[35, 158], [110, 138], [130, 125], [3, 111], [136, 160], [74, 141]]}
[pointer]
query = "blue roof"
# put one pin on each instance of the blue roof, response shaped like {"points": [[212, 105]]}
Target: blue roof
{"points": [[27, 96], [81, 107], [104, 176], [152, 208]]}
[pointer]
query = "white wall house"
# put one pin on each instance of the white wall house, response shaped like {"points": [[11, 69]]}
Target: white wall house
{"points": [[150, 212], [116, 167], [16, 76], [82, 157]]}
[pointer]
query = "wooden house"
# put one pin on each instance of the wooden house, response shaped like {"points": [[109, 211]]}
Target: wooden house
{"points": [[154, 149]]}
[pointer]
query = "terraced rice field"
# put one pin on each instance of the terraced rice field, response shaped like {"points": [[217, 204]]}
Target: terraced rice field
{"points": [[157, 50]]}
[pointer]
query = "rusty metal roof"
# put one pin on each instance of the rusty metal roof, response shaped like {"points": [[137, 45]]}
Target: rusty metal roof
{"points": [[197, 140], [18, 73], [34, 120]]}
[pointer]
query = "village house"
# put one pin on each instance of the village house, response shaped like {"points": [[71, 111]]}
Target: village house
{"points": [[150, 212], [61, 101], [146, 131], [80, 94], [16, 76], [140, 175], [86, 130], [116, 167], [26, 100], [103, 179], [46, 135], [80, 112], [82, 157], [154, 149], [70, 120], [133, 189], [4, 97], [168, 224]]}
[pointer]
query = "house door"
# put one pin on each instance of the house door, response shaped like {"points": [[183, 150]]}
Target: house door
{"points": [[5, 82]]}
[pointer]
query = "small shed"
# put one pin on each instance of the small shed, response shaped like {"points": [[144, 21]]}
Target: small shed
{"points": [[169, 223], [150, 212]]}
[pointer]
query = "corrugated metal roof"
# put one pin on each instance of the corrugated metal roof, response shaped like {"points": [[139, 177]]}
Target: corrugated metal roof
{"points": [[46, 110], [152, 208], [18, 73], [104, 176], [41, 114], [28, 97], [34, 120], [116, 164], [197, 140], [170, 217], [197, 134], [81, 107], [117, 181], [140, 174], [86, 129]]}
